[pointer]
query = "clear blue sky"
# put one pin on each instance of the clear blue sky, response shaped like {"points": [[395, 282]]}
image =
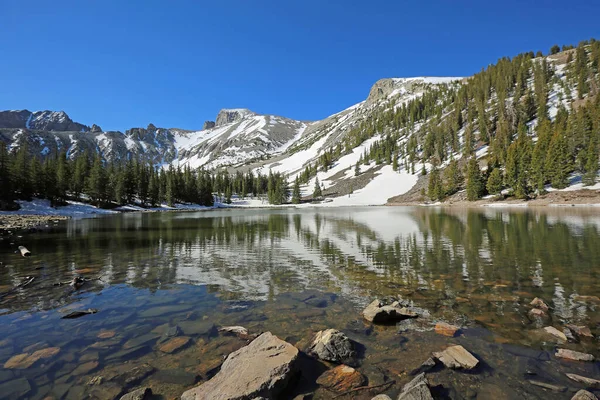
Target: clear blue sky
{"points": [[124, 63]]}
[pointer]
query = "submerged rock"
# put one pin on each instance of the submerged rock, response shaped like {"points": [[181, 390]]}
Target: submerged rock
{"points": [[174, 344], [426, 366], [446, 329], [457, 357], [539, 304], [139, 394], [417, 389], [549, 386], [333, 345], [341, 379], [379, 313], [589, 382], [261, 369], [584, 395], [580, 331], [555, 332], [26, 360], [574, 355]]}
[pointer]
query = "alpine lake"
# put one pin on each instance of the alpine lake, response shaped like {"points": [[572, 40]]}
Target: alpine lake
{"points": [[294, 272]]}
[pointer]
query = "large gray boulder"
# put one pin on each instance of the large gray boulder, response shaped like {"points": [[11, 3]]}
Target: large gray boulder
{"points": [[417, 389], [260, 370], [378, 313], [333, 345]]}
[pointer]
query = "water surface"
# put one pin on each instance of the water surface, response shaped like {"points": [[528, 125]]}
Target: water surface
{"points": [[294, 272]]}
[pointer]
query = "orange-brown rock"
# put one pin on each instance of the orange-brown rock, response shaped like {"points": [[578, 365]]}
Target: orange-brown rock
{"points": [[106, 334], [446, 329], [341, 379], [174, 344], [26, 360], [574, 355], [539, 303]]}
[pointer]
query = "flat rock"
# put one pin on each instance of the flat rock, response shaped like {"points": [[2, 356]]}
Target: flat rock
{"points": [[333, 345], [140, 340], [133, 375], [574, 355], [417, 389], [15, 389], [580, 331], [446, 329], [589, 382], [106, 334], [261, 369], [85, 368], [556, 333], [536, 312], [341, 379], [174, 344], [26, 360], [378, 313], [202, 328], [549, 386], [457, 357], [382, 397], [139, 394], [539, 304], [584, 395]]}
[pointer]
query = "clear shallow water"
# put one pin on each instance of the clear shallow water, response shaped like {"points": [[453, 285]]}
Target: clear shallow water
{"points": [[294, 272]]}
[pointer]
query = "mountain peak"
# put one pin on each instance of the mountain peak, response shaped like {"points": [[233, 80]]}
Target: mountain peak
{"points": [[230, 115]]}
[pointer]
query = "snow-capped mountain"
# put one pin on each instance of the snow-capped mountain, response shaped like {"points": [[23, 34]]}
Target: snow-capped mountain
{"points": [[237, 137]]}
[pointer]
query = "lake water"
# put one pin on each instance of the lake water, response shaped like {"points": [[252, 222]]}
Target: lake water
{"points": [[294, 272]]}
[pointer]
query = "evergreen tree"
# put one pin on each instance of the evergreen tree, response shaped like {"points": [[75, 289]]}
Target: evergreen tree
{"points": [[453, 178], [494, 182], [434, 188], [6, 193], [62, 178], [317, 192], [21, 176], [591, 165], [357, 169], [96, 184], [296, 197], [557, 162], [474, 182]]}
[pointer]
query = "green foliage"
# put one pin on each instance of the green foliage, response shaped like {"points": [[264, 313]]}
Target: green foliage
{"points": [[474, 180], [494, 182], [317, 192], [296, 197]]}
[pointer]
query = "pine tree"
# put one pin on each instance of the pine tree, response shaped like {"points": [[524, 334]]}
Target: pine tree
{"points": [[591, 165], [557, 162], [494, 182], [6, 194], [21, 176], [357, 169], [434, 188], [296, 197], [453, 178], [394, 162], [96, 184], [62, 178], [474, 182], [317, 192]]}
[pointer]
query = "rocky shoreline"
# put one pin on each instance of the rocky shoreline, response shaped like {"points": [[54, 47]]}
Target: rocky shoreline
{"points": [[16, 222], [268, 367]]}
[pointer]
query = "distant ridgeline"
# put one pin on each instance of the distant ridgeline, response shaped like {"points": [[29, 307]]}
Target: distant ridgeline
{"points": [[515, 127]]}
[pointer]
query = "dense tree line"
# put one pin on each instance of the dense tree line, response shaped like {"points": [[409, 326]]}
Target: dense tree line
{"points": [[57, 178]]}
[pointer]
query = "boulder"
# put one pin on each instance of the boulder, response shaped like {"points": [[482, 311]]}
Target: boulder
{"points": [[457, 357], [417, 389], [379, 313], [580, 331], [382, 397], [556, 333], [341, 379], [536, 312], [584, 395], [174, 344], [333, 345], [539, 304], [446, 329], [261, 369], [589, 382], [139, 394], [574, 355]]}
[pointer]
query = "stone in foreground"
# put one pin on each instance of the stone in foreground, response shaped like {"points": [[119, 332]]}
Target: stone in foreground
{"points": [[589, 382], [584, 395], [457, 357], [341, 379], [574, 355], [382, 397], [139, 394], [261, 369], [446, 329], [580, 331], [539, 303], [417, 389], [378, 313], [333, 345], [556, 333]]}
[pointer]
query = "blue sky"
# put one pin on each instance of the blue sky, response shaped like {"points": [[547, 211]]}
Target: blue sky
{"points": [[176, 63]]}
